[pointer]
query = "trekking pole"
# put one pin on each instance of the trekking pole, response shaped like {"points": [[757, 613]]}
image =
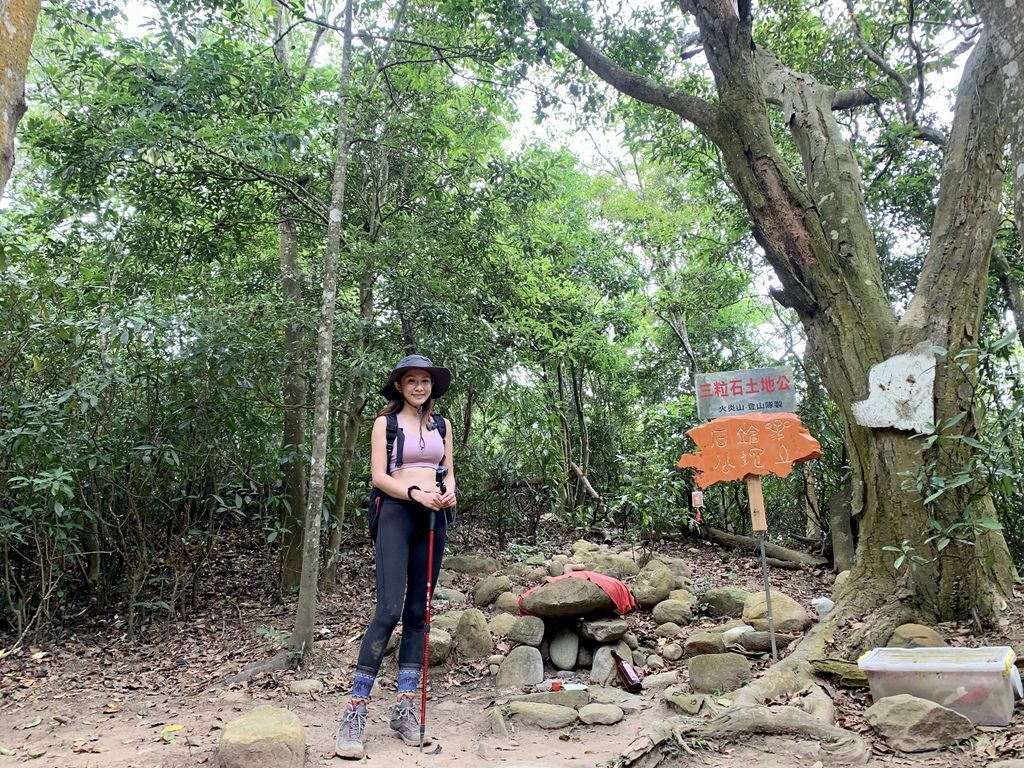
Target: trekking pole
{"points": [[441, 472], [426, 631]]}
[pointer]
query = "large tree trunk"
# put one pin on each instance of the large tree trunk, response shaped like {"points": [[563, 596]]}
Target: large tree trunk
{"points": [[816, 235], [17, 28]]}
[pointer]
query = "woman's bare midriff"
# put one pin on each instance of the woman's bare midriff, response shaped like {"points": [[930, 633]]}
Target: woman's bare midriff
{"points": [[424, 477]]}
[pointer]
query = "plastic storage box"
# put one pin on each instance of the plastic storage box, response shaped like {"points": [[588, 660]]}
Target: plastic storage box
{"points": [[979, 683]]}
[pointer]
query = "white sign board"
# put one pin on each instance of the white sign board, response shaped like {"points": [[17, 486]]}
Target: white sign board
{"points": [[756, 390]]}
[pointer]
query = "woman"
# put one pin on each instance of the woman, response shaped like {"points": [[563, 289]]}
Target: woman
{"points": [[406, 479]]}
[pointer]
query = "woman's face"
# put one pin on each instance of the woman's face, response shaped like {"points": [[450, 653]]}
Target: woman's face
{"points": [[415, 386]]}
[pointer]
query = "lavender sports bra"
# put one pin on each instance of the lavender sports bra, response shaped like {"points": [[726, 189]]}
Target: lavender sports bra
{"points": [[414, 453]]}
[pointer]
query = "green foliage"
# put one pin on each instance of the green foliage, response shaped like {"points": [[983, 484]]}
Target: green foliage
{"points": [[985, 472]]}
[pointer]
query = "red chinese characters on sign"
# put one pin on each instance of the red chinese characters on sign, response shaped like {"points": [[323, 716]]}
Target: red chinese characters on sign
{"points": [[733, 447], [738, 393], [745, 386]]}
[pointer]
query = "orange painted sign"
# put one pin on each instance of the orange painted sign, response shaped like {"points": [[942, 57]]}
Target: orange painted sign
{"points": [[733, 447]]}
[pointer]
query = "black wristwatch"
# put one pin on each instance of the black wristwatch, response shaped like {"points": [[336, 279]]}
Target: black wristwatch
{"points": [[411, 489]]}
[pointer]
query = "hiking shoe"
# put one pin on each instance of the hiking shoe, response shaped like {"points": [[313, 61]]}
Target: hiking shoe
{"points": [[405, 723], [351, 733]]}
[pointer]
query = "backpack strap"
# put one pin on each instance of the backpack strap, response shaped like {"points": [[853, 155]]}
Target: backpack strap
{"points": [[393, 433], [441, 428]]}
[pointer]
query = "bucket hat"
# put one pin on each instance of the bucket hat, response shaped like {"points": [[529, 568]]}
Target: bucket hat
{"points": [[441, 377]]}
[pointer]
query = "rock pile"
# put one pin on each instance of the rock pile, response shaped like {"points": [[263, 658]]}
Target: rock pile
{"points": [[571, 626]]}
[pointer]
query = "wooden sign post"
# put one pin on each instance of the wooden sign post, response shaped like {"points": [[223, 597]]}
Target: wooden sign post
{"points": [[746, 448]]}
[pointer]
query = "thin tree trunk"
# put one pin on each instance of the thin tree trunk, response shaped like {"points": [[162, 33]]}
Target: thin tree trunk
{"points": [[302, 635], [17, 28], [355, 401], [293, 443], [812, 509], [293, 379]]}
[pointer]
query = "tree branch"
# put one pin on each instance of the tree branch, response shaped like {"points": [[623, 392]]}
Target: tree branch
{"points": [[923, 132], [691, 108]]}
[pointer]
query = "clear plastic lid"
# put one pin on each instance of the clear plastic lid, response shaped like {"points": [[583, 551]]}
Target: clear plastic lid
{"points": [[987, 659]]}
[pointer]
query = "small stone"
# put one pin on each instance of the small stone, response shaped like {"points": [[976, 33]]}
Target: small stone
{"points": [[508, 602], [446, 621], [602, 671], [306, 686], [473, 563], [627, 702], [616, 566], [488, 590], [675, 611], [600, 714], [668, 629], [631, 641], [788, 614], [472, 637], [659, 681], [547, 716], [501, 624], [761, 642], [574, 699], [605, 630], [653, 584], [439, 646], [703, 642], [725, 601], [445, 578], [494, 669], [915, 636], [911, 724], [718, 672], [527, 630], [556, 568], [585, 657], [654, 661], [683, 595], [496, 722], [688, 703], [496, 658], [523, 666], [639, 658], [672, 652], [564, 648], [452, 596]]}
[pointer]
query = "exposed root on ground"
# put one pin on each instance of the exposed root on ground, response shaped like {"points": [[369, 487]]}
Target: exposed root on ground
{"points": [[675, 734], [813, 718], [279, 661], [793, 673]]}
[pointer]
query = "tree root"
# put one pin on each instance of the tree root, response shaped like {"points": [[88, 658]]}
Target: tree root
{"points": [[283, 659], [793, 674], [813, 718], [838, 746]]}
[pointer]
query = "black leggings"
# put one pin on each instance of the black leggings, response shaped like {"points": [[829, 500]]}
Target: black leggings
{"points": [[401, 552]]}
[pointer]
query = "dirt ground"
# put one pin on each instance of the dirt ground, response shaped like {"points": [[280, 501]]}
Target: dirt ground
{"points": [[92, 698]]}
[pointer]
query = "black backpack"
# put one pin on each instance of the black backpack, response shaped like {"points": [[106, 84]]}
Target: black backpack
{"points": [[394, 434]]}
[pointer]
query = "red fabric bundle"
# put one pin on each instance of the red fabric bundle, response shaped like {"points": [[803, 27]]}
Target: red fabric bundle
{"points": [[615, 589]]}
